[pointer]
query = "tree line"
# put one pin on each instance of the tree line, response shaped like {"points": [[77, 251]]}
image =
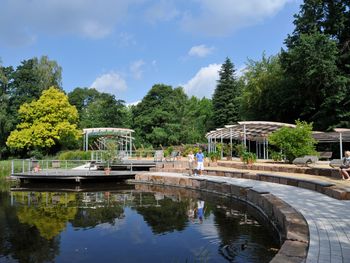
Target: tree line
{"points": [[307, 80]]}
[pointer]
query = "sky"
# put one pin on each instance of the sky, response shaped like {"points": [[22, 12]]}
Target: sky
{"points": [[124, 47]]}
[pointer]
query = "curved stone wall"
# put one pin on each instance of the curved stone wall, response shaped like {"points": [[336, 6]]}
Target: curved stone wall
{"points": [[291, 225]]}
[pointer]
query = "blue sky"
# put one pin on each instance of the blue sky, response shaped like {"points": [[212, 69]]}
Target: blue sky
{"points": [[124, 47]]}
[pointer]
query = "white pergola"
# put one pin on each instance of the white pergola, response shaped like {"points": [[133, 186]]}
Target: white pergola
{"points": [[246, 131], [338, 135], [122, 135]]}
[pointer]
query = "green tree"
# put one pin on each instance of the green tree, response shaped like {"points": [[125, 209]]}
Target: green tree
{"points": [[7, 120], [45, 123], [317, 64], [99, 109], [157, 118], [262, 85], [82, 97], [294, 142], [316, 95], [31, 78], [226, 96]]}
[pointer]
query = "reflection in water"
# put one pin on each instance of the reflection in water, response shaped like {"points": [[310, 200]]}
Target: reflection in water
{"points": [[144, 224]]}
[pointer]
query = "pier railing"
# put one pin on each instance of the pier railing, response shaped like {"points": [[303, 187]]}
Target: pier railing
{"points": [[35, 166]]}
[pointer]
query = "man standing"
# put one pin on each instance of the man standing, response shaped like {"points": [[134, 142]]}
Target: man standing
{"points": [[200, 161]]}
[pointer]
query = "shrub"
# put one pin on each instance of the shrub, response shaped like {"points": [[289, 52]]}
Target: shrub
{"points": [[294, 142], [75, 155]]}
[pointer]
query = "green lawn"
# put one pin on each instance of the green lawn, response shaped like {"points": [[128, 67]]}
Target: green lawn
{"points": [[5, 168]]}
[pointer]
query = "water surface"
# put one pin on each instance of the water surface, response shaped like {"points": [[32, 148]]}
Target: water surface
{"points": [[128, 223]]}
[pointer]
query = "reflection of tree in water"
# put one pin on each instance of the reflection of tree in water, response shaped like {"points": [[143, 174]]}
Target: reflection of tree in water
{"points": [[22, 242], [98, 208], [163, 215], [48, 212], [89, 218]]}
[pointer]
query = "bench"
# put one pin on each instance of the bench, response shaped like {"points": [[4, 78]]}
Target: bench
{"points": [[159, 156], [172, 157], [325, 155], [336, 163]]}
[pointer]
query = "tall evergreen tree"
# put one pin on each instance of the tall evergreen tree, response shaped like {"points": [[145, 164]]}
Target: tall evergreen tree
{"points": [[317, 64], [226, 96]]}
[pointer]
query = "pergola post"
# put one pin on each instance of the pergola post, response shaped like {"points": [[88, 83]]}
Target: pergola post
{"points": [[231, 141], [222, 146], [244, 136], [341, 145]]}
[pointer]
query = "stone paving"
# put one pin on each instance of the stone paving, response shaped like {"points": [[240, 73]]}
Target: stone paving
{"points": [[328, 218]]}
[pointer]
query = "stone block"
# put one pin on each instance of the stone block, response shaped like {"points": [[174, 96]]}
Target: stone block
{"points": [[171, 180], [214, 187], [185, 182], [294, 249], [307, 185], [220, 173], [156, 179]]}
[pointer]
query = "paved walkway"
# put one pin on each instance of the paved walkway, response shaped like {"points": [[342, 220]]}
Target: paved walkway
{"points": [[338, 182], [328, 218]]}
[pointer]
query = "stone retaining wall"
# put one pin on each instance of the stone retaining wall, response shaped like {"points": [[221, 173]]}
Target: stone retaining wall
{"points": [[318, 186], [293, 228], [329, 172]]}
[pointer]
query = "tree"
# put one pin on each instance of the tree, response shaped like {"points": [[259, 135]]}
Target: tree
{"points": [[294, 142], [317, 64], [157, 118], [82, 97], [99, 109], [226, 95], [47, 122], [262, 85], [316, 95], [31, 78], [6, 119]]}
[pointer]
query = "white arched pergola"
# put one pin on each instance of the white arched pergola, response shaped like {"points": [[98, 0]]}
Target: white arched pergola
{"points": [[246, 131], [122, 135]]}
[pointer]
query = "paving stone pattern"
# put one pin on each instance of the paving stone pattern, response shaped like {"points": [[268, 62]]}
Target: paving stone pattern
{"points": [[328, 218]]}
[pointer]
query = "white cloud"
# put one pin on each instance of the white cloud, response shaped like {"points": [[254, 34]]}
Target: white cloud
{"points": [[132, 103], [136, 68], [222, 17], [204, 82], [111, 83], [200, 51], [88, 18], [161, 11]]}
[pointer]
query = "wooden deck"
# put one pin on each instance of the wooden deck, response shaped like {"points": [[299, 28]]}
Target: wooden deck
{"points": [[73, 175]]}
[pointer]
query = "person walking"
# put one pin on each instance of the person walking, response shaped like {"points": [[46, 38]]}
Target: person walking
{"points": [[200, 161], [190, 158]]}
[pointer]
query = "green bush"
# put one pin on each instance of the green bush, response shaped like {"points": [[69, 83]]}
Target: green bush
{"points": [[294, 142], [248, 157], [189, 148], [75, 155], [276, 156]]}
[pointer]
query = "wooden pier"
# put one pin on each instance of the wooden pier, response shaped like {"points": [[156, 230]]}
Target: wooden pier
{"points": [[76, 170], [73, 175]]}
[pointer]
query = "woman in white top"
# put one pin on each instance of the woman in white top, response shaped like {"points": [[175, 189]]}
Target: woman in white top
{"points": [[190, 158], [345, 167]]}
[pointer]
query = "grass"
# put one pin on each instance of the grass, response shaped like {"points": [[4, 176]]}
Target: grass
{"points": [[5, 168]]}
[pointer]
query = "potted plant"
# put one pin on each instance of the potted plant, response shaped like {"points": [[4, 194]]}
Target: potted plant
{"points": [[214, 156], [248, 157], [240, 149], [109, 155], [227, 151]]}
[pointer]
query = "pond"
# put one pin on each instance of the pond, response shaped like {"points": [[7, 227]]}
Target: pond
{"points": [[128, 223]]}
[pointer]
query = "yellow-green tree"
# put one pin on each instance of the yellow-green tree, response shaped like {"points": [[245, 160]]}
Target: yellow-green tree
{"points": [[45, 123]]}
